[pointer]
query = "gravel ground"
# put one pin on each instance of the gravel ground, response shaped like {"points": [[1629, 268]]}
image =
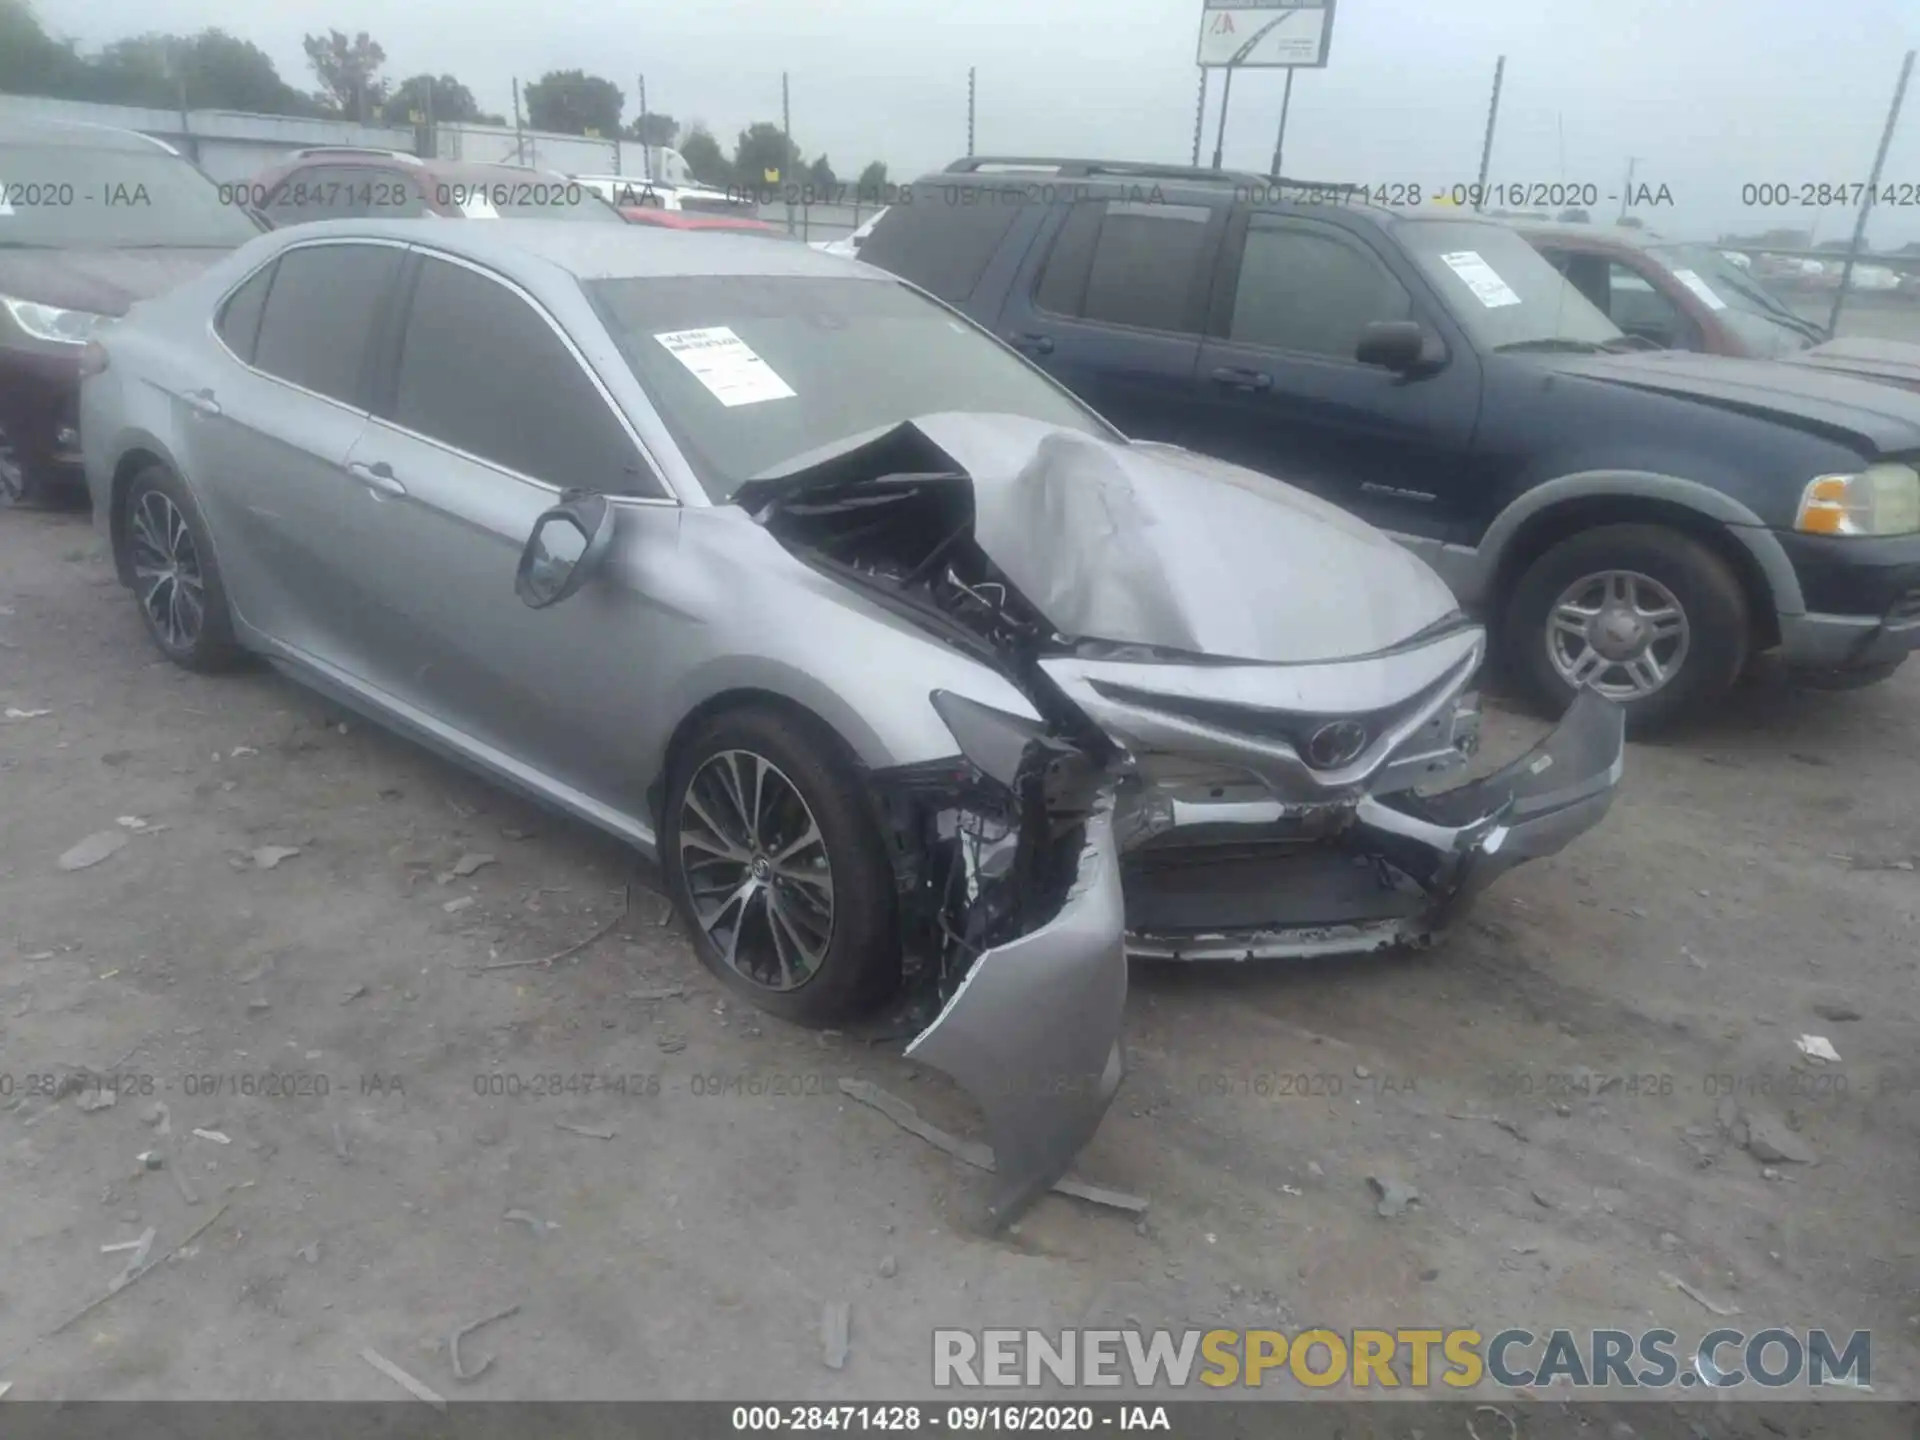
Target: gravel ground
{"points": [[1563, 1084]]}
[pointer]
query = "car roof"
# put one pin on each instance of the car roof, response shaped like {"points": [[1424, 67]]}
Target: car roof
{"points": [[76, 135], [1613, 237], [1104, 178], [598, 252]]}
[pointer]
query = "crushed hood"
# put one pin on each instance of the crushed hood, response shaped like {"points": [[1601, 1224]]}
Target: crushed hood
{"points": [[1141, 544], [1893, 362]]}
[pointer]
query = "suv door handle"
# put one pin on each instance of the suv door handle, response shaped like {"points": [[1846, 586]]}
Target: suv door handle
{"points": [[1033, 340], [202, 402], [377, 477], [1243, 379]]}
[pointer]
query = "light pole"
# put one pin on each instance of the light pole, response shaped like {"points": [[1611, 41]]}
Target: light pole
{"points": [[1627, 192]]}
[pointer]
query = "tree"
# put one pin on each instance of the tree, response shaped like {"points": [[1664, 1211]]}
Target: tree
{"points": [[572, 102], [706, 161], [873, 181], [820, 175], [212, 70], [450, 101], [761, 149], [652, 129], [348, 71], [33, 62]]}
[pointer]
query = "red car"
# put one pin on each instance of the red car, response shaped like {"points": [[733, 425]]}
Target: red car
{"points": [[1691, 297], [344, 182], [689, 220]]}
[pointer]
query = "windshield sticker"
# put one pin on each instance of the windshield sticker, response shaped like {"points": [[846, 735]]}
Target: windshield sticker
{"points": [[722, 361], [1481, 278], [1700, 287]]}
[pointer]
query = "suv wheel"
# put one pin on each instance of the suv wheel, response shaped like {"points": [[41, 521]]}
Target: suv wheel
{"points": [[1647, 616], [776, 862]]}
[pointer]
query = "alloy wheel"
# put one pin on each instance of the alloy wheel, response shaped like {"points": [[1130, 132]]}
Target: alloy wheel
{"points": [[757, 871], [1621, 632], [166, 569]]}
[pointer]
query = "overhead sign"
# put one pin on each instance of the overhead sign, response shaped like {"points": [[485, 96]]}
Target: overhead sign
{"points": [[1265, 33]]}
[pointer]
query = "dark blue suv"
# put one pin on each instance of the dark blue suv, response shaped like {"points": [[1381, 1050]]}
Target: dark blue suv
{"points": [[1646, 522]]}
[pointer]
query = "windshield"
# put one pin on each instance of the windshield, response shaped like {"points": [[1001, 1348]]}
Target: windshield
{"points": [[68, 197], [1501, 289], [1765, 322], [749, 371]]}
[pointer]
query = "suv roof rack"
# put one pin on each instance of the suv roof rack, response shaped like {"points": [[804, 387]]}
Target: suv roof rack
{"points": [[312, 150], [1131, 170]]}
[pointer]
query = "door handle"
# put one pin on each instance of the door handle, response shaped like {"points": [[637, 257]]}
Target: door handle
{"points": [[377, 477], [1034, 341], [1243, 379], [202, 402]]}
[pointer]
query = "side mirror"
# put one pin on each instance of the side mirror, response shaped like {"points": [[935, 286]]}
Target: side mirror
{"points": [[1397, 345], [566, 545]]}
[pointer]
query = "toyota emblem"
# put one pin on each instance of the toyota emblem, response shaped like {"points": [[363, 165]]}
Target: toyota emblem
{"points": [[1336, 743]]}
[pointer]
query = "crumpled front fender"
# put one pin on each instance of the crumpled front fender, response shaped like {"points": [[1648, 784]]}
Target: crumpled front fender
{"points": [[1033, 1032]]}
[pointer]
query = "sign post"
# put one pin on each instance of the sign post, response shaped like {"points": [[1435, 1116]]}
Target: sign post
{"points": [[1263, 35]]}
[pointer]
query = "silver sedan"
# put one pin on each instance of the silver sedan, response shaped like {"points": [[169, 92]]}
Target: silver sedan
{"points": [[925, 687]]}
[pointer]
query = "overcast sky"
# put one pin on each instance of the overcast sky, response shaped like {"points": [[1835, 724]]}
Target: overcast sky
{"points": [[1710, 94]]}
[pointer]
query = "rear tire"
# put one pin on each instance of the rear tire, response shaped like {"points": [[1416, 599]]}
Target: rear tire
{"points": [[26, 485], [1651, 616], [775, 860], [177, 582]]}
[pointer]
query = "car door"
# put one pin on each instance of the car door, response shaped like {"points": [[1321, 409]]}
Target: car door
{"points": [[270, 433], [1279, 389], [485, 413], [1110, 302]]}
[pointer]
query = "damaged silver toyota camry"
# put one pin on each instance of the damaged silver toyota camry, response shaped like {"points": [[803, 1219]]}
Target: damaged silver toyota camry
{"points": [[926, 688]]}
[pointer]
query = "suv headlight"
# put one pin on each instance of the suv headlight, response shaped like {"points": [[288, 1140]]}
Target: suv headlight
{"points": [[50, 322], [1880, 500]]}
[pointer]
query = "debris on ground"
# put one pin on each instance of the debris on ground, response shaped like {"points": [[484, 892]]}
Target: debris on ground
{"points": [[591, 1132], [131, 822], [1513, 1427], [836, 1327], [660, 992], [465, 866], [401, 1378], [142, 1248], [1838, 1014], [96, 1097], [353, 993], [340, 1149], [92, 850], [1394, 1197], [972, 1151], [455, 905], [1692, 1294], [16, 714], [672, 1044], [215, 1136], [453, 1345], [126, 1245], [151, 1160], [310, 1253], [134, 1272], [1769, 1140], [531, 1221], [626, 904], [1818, 1047], [889, 1267], [268, 856]]}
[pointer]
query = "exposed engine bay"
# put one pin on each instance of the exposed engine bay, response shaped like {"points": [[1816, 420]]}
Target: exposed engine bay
{"points": [[1242, 701]]}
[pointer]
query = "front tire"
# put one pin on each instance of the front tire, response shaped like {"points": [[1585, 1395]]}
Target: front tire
{"points": [[1648, 616], [776, 863], [176, 581]]}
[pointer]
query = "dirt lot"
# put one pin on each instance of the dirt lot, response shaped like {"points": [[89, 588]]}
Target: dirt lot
{"points": [[1748, 879]]}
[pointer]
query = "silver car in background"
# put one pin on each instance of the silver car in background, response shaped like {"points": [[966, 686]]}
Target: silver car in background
{"points": [[922, 684]]}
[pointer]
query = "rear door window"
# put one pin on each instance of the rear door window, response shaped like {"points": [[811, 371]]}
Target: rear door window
{"points": [[321, 315], [943, 248], [482, 371], [238, 323], [1124, 262]]}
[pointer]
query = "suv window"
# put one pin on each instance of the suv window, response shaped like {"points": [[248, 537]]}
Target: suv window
{"points": [[1126, 262], [1637, 307], [944, 249], [321, 315], [481, 370], [1307, 289], [238, 323]]}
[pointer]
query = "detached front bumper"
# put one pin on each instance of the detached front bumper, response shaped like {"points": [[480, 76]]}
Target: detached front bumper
{"points": [[1033, 1032], [1399, 874]]}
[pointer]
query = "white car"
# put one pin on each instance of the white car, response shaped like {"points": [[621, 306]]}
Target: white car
{"points": [[619, 190]]}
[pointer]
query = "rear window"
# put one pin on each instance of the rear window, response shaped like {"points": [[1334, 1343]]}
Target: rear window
{"points": [[749, 372], [943, 248]]}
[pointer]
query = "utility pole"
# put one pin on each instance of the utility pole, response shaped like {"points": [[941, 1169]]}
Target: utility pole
{"points": [[519, 136], [433, 140], [786, 144], [1626, 192], [1866, 201], [1286, 100], [970, 98], [1486, 145], [1199, 115]]}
